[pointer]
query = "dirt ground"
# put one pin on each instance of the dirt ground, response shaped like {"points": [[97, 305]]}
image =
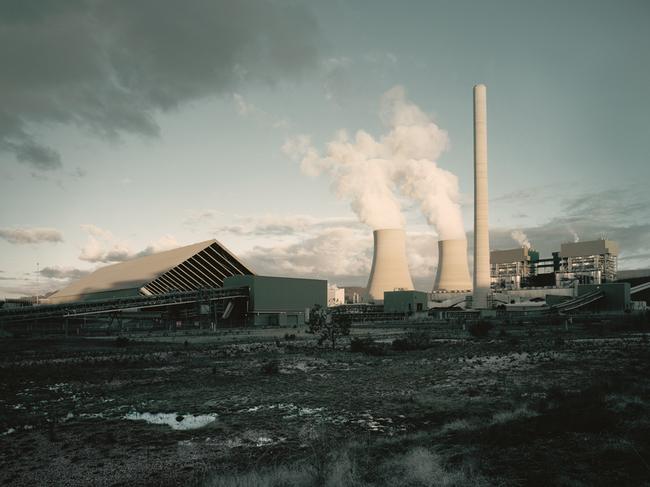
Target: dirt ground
{"points": [[525, 406]]}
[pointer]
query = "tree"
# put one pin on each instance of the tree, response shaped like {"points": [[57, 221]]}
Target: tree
{"points": [[328, 326]]}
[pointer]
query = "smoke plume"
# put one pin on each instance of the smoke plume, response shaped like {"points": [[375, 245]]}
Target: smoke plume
{"points": [[521, 238], [374, 173]]}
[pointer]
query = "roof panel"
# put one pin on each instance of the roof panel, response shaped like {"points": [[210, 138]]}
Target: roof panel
{"points": [[135, 273]]}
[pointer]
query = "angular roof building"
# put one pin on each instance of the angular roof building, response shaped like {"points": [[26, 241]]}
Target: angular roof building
{"points": [[201, 265]]}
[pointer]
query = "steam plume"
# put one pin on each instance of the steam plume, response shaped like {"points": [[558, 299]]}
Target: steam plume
{"points": [[521, 238], [371, 173]]}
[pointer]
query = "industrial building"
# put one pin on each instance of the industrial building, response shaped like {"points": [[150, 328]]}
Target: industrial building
{"points": [[511, 269], [595, 261], [280, 301], [405, 302], [197, 266], [202, 284], [589, 262], [335, 295]]}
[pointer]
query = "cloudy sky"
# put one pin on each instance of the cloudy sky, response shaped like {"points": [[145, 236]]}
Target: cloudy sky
{"points": [[128, 127]]}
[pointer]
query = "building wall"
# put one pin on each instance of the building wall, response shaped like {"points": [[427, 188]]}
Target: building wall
{"points": [[405, 301], [335, 295], [592, 247], [280, 300], [617, 296]]}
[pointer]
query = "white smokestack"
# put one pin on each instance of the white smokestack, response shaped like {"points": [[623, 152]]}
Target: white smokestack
{"points": [[390, 269], [453, 272], [481, 231]]}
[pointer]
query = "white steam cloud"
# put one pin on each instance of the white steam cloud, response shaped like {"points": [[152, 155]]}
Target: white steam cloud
{"points": [[521, 238], [373, 173]]}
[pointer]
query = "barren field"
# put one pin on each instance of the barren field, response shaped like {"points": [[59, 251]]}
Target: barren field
{"points": [[526, 406]]}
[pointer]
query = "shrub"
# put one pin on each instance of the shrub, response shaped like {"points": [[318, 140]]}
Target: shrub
{"points": [[367, 346], [121, 341], [329, 327], [271, 367], [289, 336], [480, 329], [413, 341]]}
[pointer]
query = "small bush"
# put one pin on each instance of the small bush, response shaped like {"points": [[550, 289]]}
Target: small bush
{"points": [[121, 341], [413, 341], [271, 367], [289, 337], [480, 329], [366, 346]]}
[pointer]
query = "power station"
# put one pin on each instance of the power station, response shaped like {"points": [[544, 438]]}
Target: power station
{"points": [[205, 282]]}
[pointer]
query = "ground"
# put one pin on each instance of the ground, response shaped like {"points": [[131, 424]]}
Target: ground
{"points": [[527, 405]]}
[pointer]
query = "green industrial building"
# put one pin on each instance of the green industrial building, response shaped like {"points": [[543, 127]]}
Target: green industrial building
{"points": [[405, 302], [280, 301]]}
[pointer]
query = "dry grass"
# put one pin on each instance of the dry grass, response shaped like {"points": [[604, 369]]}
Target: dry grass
{"points": [[508, 416], [456, 426], [419, 466]]}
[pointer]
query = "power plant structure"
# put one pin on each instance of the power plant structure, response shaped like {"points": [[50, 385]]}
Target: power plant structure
{"points": [[206, 284], [389, 271], [453, 272], [588, 262], [481, 289]]}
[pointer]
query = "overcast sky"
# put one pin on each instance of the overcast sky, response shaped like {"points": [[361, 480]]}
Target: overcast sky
{"points": [[128, 127]]}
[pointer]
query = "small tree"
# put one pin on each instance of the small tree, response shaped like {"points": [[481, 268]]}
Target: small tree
{"points": [[328, 326]]}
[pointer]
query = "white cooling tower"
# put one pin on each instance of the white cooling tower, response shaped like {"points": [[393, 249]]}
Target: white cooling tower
{"points": [[453, 272], [390, 270], [481, 232]]}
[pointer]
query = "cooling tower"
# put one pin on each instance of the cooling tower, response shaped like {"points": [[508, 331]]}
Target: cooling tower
{"points": [[481, 233], [390, 269], [453, 272]]}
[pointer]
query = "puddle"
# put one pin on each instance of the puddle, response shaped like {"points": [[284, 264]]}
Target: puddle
{"points": [[174, 420]]}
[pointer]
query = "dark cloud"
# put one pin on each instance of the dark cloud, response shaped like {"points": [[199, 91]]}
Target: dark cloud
{"points": [[30, 235], [110, 66]]}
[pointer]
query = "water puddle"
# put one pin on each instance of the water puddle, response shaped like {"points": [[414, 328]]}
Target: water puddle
{"points": [[174, 420]]}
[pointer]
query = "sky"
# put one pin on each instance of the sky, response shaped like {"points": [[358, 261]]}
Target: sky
{"points": [[280, 128]]}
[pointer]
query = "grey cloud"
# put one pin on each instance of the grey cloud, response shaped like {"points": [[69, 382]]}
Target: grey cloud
{"points": [[274, 225], [62, 273], [111, 66], [30, 235]]}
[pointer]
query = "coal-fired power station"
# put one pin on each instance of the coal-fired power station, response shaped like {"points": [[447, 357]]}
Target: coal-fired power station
{"points": [[481, 232], [390, 270], [453, 272]]}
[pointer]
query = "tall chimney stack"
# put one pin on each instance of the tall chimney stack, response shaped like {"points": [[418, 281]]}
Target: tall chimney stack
{"points": [[481, 232], [390, 270]]}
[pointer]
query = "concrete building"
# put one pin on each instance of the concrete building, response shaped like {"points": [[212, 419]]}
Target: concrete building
{"points": [[335, 295], [355, 294], [390, 271], [511, 269], [406, 302], [617, 298], [197, 266], [594, 261], [452, 274], [280, 301]]}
